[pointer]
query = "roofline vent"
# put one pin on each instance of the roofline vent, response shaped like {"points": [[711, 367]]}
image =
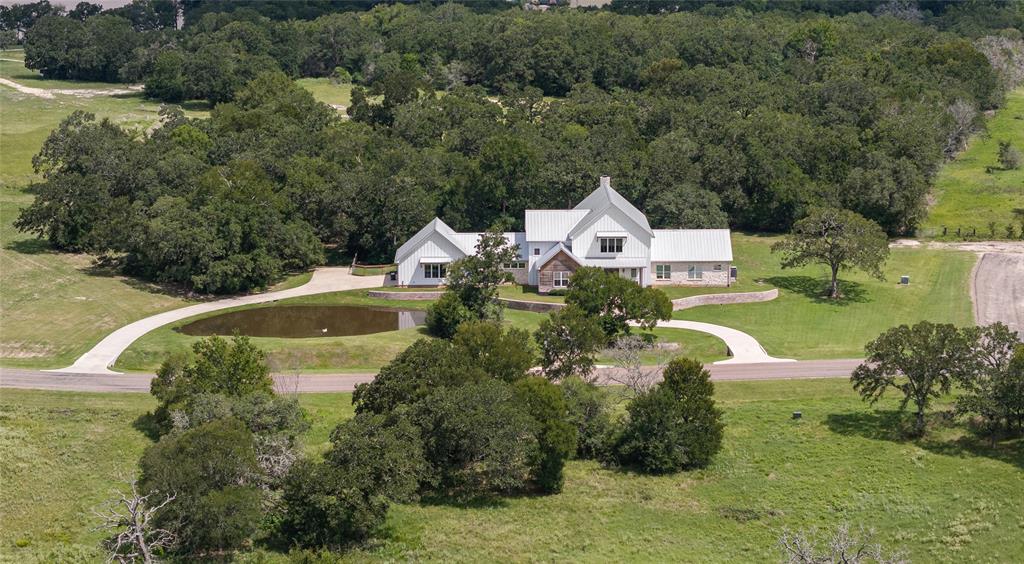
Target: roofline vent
{"points": [[606, 182]]}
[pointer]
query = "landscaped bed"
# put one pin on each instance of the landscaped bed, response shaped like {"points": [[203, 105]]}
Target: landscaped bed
{"points": [[946, 498]]}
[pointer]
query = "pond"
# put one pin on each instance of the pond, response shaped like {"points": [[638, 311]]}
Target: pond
{"points": [[306, 321]]}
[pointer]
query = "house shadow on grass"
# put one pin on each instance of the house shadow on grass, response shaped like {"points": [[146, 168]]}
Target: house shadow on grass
{"points": [[817, 289], [892, 426]]}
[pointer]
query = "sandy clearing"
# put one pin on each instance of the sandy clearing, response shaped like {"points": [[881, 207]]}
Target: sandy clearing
{"points": [[49, 94]]}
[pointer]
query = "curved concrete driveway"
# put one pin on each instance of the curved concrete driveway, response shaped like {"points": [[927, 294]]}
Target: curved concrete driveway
{"points": [[99, 359], [743, 348]]}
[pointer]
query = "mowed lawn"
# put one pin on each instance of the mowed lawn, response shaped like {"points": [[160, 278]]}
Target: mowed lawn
{"points": [[802, 324], [947, 498], [367, 353], [967, 196]]}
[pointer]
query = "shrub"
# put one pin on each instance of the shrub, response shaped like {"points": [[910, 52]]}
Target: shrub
{"points": [[382, 453], [589, 412], [373, 461], [207, 469], [502, 354], [415, 373], [477, 439], [326, 507], [445, 315], [675, 426], [1009, 156], [556, 437], [233, 369]]}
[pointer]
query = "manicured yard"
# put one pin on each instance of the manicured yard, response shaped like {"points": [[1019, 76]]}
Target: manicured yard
{"points": [[947, 498], [801, 324], [966, 195]]}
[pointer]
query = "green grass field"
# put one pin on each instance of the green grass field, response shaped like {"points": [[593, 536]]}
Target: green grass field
{"points": [[801, 324], [947, 498], [967, 196], [327, 92]]}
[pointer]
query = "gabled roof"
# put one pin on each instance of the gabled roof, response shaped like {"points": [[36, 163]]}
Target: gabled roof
{"points": [[435, 226], [552, 225], [465, 242], [601, 200], [559, 248], [691, 245]]}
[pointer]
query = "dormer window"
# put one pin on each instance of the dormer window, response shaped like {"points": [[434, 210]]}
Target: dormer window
{"points": [[611, 244]]}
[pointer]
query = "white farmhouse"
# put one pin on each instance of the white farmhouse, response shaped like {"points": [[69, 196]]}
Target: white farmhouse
{"points": [[603, 230]]}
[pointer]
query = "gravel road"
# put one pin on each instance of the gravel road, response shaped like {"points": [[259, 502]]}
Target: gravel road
{"points": [[998, 290]]}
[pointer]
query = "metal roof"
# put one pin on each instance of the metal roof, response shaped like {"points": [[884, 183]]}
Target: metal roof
{"points": [[435, 226], [552, 225], [554, 251], [693, 245], [603, 198]]}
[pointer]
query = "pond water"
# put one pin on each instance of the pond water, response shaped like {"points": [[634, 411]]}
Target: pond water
{"points": [[306, 321]]}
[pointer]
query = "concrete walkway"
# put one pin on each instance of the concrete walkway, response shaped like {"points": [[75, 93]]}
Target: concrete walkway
{"points": [[743, 348], [105, 353]]}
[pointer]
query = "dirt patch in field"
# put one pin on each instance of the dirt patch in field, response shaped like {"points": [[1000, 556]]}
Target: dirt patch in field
{"points": [[50, 93], [19, 350]]}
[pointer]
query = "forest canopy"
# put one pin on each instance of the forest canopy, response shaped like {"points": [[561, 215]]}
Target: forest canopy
{"points": [[719, 116]]}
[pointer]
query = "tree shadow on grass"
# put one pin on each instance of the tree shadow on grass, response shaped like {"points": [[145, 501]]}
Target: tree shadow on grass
{"points": [[893, 426], [31, 246], [147, 425], [817, 289], [477, 502]]}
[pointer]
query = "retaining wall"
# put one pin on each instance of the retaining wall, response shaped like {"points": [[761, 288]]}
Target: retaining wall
{"points": [[406, 296], [722, 299]]}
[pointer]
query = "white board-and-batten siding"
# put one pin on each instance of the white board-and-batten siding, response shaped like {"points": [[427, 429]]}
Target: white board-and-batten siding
{"points": [[410, 271]]}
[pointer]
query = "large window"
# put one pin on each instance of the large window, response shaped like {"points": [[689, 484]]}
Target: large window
{"points": [[694, 272], [611, 244], [434, 271], [561, 279], [517, 265], [663, 272]]}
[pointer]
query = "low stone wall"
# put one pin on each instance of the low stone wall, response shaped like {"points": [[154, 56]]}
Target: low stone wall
{"points": [[535, 307], [406, 296], [722, 299]]}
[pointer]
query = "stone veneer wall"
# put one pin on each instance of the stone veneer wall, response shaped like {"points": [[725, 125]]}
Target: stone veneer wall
{"points": [[406, 296], [722, 299], [709, 277]]}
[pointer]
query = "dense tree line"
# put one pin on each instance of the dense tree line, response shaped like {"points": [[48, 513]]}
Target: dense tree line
{"points": [[712, 118]]}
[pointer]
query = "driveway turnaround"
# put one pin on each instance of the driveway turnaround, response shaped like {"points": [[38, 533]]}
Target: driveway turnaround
{"points": [[102, 356], [320, 383], [743, 348], [997, 290]]}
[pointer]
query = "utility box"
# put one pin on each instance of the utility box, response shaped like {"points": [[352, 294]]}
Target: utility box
{"points": [[904, 280]]}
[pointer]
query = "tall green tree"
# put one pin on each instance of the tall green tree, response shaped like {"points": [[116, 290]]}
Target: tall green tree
{"points": [[921, 362], [616, 301], [569, 338], [839, 239], [475, 278]]}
